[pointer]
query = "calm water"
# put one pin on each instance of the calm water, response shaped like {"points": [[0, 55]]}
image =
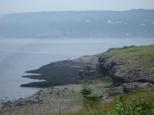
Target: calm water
{"points": [[18, 56]]}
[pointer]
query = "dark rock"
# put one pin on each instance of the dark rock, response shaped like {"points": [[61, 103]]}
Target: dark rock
{"points": [[63, 72]]}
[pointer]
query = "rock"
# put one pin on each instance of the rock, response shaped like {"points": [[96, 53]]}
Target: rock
{"points": [[128, 87], [111, 92]]}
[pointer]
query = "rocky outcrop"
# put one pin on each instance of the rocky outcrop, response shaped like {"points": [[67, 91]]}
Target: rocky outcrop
{"points": [[127, 70], [63, 72], [120, 72]]}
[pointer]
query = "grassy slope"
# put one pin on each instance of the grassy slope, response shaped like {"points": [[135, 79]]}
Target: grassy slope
{"points": [[139, 56], [109, 108]]}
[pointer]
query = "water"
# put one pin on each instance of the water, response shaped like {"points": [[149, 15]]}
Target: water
{"points": [[18, 56]]}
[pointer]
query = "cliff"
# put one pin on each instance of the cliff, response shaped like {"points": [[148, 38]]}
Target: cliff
{"points": [[128, 64]]}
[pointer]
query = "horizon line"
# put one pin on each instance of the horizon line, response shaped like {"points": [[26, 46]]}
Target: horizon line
{"points": [[46, 11]]}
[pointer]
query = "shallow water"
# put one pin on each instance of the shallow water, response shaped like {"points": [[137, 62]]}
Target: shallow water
{"points": [[20, 55]]}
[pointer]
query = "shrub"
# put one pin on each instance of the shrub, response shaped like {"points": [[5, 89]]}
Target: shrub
{"points": [[90, 100], [137, 107], [85, 92]]}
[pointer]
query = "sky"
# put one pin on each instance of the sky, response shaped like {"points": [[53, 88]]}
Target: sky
{"points": [[14, 6]]}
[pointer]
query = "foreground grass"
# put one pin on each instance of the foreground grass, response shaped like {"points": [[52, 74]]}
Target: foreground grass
{"points": [[139, 102]]}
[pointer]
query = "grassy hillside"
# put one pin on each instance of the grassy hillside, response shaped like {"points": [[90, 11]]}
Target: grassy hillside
{"points": [[138, 56]]}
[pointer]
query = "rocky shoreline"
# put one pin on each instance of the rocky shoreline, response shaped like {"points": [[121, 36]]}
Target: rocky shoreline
{"points": [[55, 98], [124, 65], [34, 99]]}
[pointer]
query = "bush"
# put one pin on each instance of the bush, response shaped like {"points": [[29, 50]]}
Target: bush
{"points": [[86, 92], [90, 100], [137, 107]]}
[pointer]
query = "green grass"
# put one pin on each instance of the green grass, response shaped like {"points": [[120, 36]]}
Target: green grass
{"points": [[137, 56], [141, 100]]}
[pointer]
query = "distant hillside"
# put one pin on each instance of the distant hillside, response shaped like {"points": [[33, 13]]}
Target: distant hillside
{"points": [[75, 24]]}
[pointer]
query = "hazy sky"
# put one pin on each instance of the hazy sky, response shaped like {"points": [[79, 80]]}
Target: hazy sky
{"points": [[9, 6]]}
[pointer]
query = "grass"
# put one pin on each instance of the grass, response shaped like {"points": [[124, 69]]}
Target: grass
{"points": [[137, 56], [138, 99], [118, 106]]}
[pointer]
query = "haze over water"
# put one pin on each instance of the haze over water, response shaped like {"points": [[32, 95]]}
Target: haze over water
{"points": [[20, 55]]}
